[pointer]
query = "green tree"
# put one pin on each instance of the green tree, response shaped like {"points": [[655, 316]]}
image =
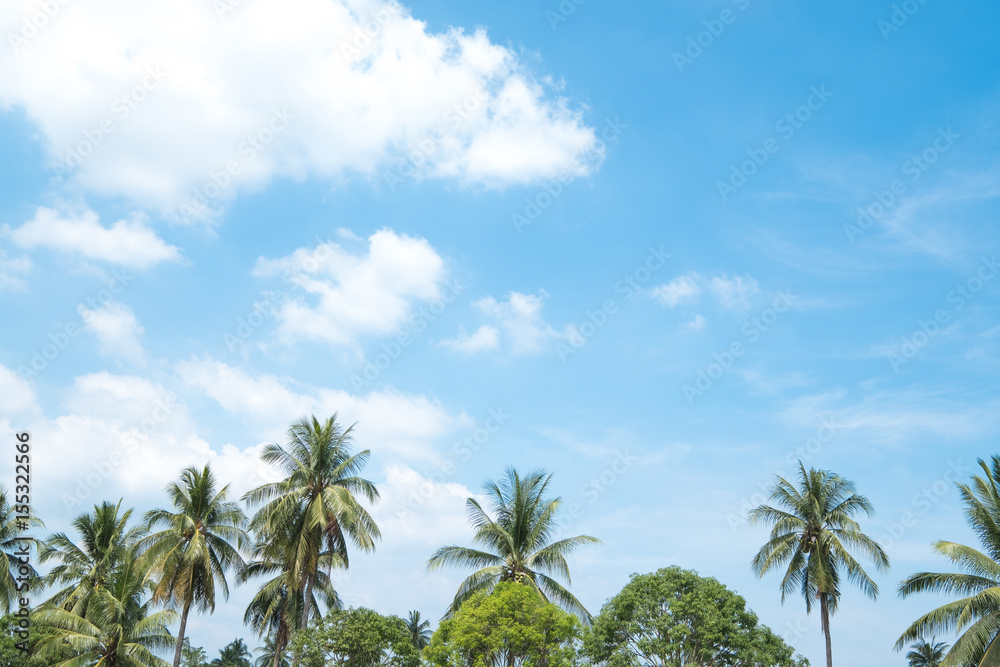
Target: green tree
{"points": [[976, 614], [420, 630], [516, 542], [199, 543], [13, 540], [926, 654], [270, 656], [13, 644], [673, 618], [357, 638], [276, 609], [233, 654], [510, 627], [317, 498], [193, 656], [813, 527], [117, 628], [106, 542]]}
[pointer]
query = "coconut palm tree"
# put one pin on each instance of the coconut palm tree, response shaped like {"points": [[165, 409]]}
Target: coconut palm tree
{"points": [[517, 542], [812, 530], [199, 543], [276, 610], [233, 654], [924, 654], [270, 656], [976, 614], [318, 496], [13, 539], [106, 541], [420, 630], [117, 627]]}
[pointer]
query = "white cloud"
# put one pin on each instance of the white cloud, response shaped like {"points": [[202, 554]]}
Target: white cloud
{"points": [[117, 331], [697, 324], [519, 318], [128, 243], [733, 292], [12, 270], [355, 295], [403, 425], [485, 337], [162, 98], [680, 290]]}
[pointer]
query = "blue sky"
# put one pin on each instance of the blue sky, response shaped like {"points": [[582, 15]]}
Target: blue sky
{"points": [[563, 214]]}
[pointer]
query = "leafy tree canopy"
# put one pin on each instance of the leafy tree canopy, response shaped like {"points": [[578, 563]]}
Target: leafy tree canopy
{"points": [[675, 618], [510, 627], [356, 638]]}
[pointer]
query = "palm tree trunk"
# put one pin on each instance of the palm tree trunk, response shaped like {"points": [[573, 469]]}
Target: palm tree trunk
{"points": [[310, 581], [180, 632], [824, 610]]}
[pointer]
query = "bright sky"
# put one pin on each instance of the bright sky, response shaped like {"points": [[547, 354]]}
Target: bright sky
{"points": [[663, 250]]}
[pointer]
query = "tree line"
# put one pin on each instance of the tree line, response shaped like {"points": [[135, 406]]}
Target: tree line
{"points": [[118, 583]]}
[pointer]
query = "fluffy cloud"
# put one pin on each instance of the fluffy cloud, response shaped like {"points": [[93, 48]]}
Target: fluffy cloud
{"points": [[399, 424], [731, 293], [182, 104], [117, 331], [683, 289], [128, 243], [485, 337], [519, 323], [356, 294], [12, 271]]}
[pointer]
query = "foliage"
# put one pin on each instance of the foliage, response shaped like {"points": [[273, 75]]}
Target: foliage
{"points": [[673, 617], [813, 528], [510, 627], [233, 654], [13, 539], [926, 654], [118, 626], [356, 638], [976, 614], [193, 656], [420, 630], [518, 541], [11, 643], [198, 544], [84, 568], [306, 519]]}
